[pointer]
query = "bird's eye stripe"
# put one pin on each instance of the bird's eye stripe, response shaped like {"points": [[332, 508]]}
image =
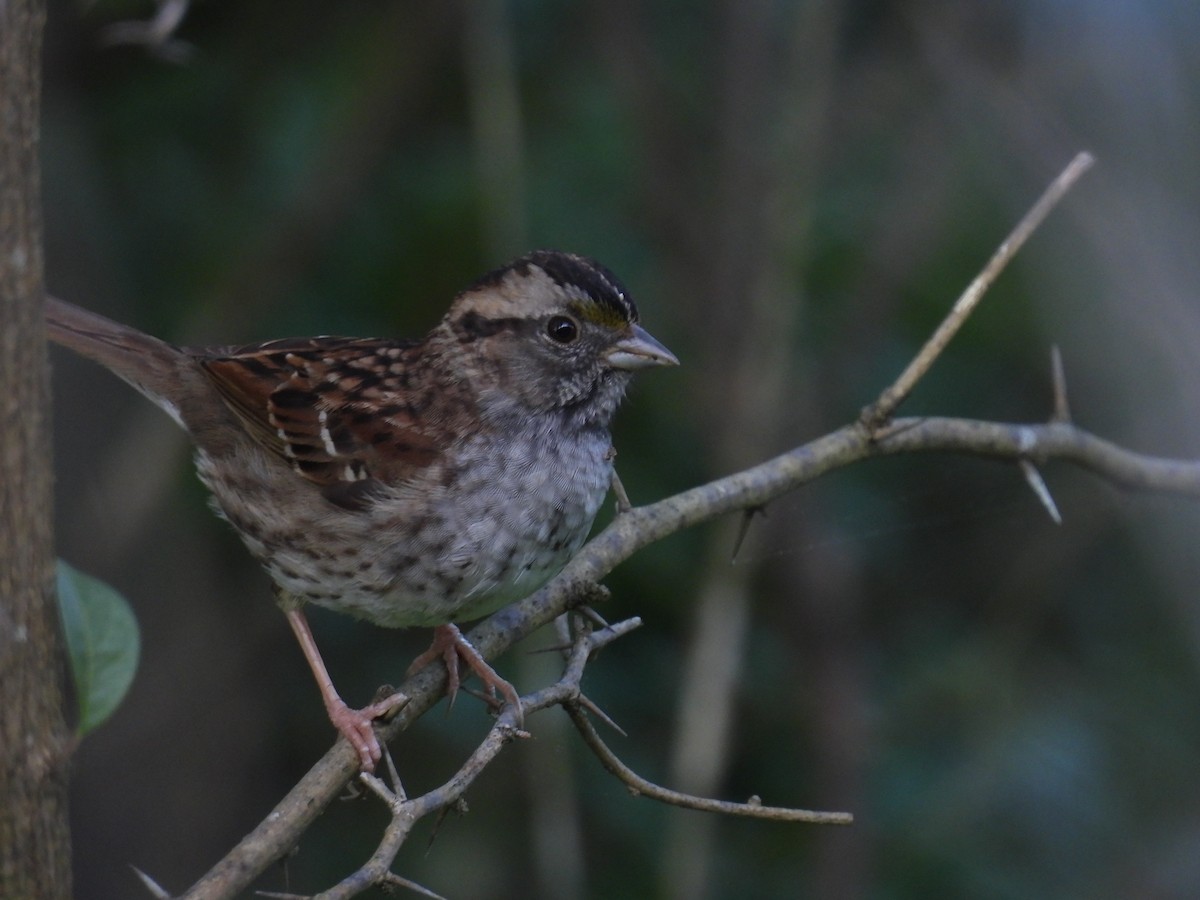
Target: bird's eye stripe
{"points": [[472, 326]]}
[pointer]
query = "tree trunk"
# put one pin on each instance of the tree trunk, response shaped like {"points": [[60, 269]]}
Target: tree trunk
{"points": [[35, 856]]}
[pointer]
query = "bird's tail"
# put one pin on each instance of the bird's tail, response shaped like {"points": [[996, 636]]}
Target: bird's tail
{"points": [[159, 370]]}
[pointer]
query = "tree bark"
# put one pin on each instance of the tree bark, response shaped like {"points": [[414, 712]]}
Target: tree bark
{"points": [[35, 856]]}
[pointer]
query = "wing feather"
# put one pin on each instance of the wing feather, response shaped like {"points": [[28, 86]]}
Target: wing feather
{"points": [[345, 414]]}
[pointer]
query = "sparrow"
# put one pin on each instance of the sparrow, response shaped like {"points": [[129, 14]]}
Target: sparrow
{"points": [[406, 482]]}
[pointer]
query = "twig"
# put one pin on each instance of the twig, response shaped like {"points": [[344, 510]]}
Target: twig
{"points": [[879, 412], [1062, 409], [407, 812], [640, 785], [1051, 441]]}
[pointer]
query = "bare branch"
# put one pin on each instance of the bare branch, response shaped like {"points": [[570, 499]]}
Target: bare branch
{"points": [[1052, 441], [640, 785], [875, 415], [407, 812]]}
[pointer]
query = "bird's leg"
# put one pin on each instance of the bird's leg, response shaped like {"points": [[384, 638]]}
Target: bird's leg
{"points": [[450, 646], [354, 724]]}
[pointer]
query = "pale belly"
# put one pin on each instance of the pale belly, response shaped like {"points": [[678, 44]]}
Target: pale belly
{"points": [[422, 558]]}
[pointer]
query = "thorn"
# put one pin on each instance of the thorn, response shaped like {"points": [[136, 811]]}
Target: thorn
{"points": [[595, 617], [1062, 409], [562, 629], [1034, 479], [488, 698], [391, 879], [550, 648], [459, 806], [394, 776], [623, 504], [151, 885], [744, 528], [378, 788], [601, 715]]}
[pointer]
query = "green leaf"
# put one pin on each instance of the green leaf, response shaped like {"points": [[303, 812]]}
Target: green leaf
{"points": [[102, 642]]}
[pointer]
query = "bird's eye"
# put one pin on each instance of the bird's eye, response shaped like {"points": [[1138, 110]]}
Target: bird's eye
{"points": [[562, 329]]}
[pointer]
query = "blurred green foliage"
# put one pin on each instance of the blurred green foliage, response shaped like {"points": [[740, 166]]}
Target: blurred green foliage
{"points": [[795, 193]]}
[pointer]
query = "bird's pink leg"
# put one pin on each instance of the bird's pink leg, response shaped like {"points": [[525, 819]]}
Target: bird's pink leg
{"points": [[354, 724]]}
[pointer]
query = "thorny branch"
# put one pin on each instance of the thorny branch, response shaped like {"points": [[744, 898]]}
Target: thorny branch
{"points": [[752, 808], [407, 812], [875, 433], [882, 409]]}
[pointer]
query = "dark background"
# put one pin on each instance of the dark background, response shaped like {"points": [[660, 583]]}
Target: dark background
{"points": [[795, 193]]}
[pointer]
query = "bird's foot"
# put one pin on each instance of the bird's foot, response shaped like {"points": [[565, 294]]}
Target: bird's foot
{"points": [[356, 725], [450, 646]]}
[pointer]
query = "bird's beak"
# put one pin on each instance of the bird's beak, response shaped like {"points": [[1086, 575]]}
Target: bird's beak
{"points": [[639, 351]]}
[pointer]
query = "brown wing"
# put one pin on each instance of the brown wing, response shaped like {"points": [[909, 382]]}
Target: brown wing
{"points": [[346, 414]]}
